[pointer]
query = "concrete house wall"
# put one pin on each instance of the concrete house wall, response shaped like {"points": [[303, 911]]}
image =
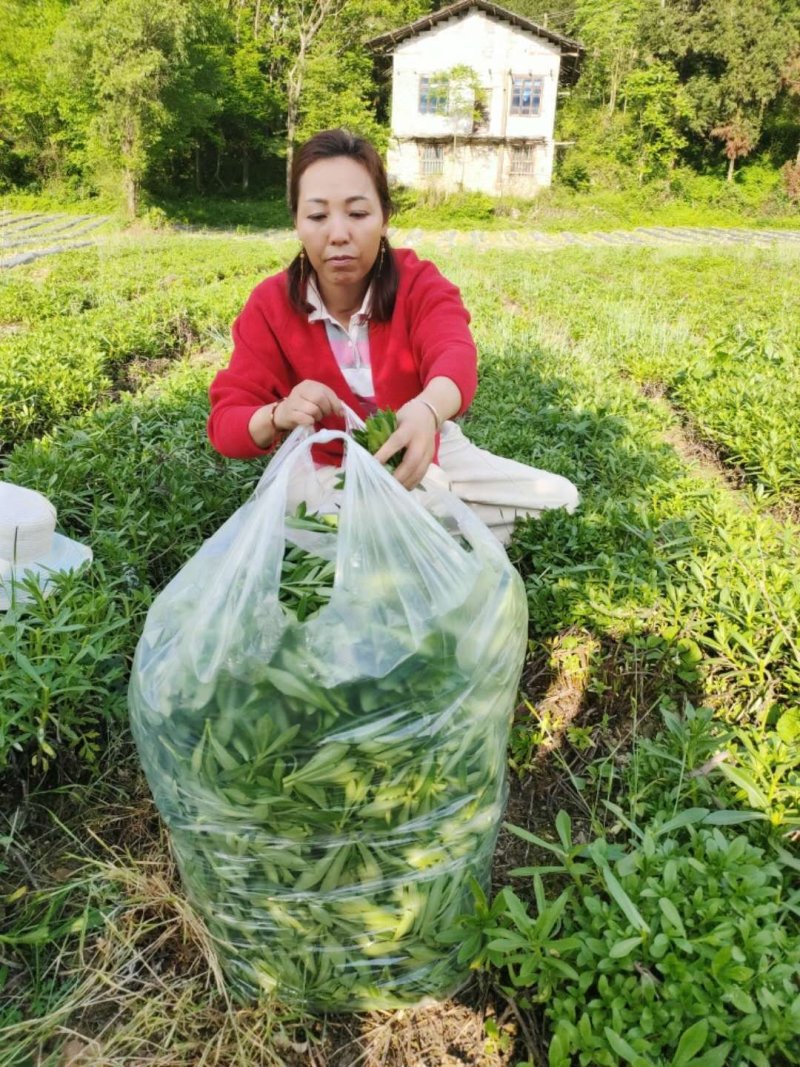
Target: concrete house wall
{"points": [[482, 159]]}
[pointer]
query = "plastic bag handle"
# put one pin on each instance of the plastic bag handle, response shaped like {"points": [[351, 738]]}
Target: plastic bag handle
{"points": [[302, 436], [352, 421]]}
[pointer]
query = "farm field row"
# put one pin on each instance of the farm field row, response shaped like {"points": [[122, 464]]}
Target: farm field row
{"points": [[717, 331], [87, 325], [662, 595]]}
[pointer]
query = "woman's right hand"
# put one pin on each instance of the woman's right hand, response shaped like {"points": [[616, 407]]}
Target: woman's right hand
{"points": [[307, 404]]}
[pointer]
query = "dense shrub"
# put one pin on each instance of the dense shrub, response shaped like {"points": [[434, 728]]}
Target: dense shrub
{"points": [[140, 484], [674, 940]]}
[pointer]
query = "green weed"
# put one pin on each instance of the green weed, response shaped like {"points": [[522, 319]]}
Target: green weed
{"points": [[672, 938], [662, 586]]}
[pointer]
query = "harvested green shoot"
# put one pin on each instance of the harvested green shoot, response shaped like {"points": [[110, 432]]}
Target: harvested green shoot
{"points": [[329, 752]]}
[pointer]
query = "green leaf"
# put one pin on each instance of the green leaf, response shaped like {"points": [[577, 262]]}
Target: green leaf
{"points": [[743, 1001], [691, 1042], [624, 901], [686, 818], [526, 835], [788, 726], [516, 909], [564, 829], [624, 948], [670, 913], [623, 1049], [721, 960], [787, 859], [715, 1057], [745, 781], [729, 817]]}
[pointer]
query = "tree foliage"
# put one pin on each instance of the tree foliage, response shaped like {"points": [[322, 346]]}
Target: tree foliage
{"points": [[211, 95], [128, 75], [672, 80], [657, 108]]}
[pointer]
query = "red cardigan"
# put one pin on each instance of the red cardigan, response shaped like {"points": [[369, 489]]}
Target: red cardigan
{"points": [[275, 348]]}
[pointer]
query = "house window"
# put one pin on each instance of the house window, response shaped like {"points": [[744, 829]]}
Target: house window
{"points": [[526, 95], [522, 158], [433, 93], [432, 159]]}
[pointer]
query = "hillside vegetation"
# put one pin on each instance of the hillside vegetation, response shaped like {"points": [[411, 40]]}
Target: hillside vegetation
{"points": [[645, 907], [144, 100]]}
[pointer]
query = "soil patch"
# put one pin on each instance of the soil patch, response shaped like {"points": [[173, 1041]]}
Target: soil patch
{"points": [[707, 459]]}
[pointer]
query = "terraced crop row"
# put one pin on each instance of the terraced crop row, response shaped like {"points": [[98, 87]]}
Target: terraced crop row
{"points": [[718, 332], [70, 332]]}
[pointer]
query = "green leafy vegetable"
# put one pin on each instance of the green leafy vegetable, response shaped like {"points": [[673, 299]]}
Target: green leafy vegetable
{"points": [[333, 802]]}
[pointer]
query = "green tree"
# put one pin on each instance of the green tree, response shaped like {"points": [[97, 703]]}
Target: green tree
{"points": [[30, 146], [610, 31], [656, 108], [251, 109], [791, 83], [324, 64], [338, 90], [124, 61], [790, 76], [294, 26], [740, 50]]}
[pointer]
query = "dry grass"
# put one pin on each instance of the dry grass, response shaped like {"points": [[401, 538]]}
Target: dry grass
{"points": [[136, 982]]}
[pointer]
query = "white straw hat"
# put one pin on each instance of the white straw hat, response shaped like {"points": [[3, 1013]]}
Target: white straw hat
{"points": [[29, 544]]}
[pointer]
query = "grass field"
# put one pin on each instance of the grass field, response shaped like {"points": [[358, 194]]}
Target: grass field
{"points": [[756, 198], [645, 908]]}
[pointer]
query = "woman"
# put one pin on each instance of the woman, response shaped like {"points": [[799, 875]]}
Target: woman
{"points": [[352, 320]]}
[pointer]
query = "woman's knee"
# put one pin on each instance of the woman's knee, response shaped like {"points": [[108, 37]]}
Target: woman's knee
{"points": [[568, 493]]}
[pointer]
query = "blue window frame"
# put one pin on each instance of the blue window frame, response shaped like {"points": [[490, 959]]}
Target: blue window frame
{"points": [[526, 95], [433, 95]]}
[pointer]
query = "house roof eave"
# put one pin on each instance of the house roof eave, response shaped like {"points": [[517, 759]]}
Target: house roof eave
{"points": [[567, 45]]}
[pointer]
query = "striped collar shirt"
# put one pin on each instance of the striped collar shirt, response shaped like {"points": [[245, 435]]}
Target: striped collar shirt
{"points": [[350, 346]]}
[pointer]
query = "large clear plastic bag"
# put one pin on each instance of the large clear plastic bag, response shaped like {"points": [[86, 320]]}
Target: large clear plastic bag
{"points": [[333, 786]]}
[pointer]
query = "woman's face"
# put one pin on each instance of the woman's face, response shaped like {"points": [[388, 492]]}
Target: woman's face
{"points": [[340, 222]]}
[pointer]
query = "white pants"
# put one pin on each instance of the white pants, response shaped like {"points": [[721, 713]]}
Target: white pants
{"points": [[498, 490]]}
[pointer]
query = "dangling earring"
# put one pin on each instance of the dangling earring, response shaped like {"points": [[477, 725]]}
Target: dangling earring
{"points": [[383, 253], [302, 265]]}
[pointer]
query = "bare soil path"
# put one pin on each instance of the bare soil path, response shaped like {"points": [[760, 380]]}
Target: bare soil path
{"points": [[28, 237]]}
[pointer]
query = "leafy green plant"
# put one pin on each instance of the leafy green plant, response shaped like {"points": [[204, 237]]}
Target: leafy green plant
{"points": [[730, 392], [678, 944], [64, 661], [766, 773], [71, 343], [63, 668], [670, 938]]}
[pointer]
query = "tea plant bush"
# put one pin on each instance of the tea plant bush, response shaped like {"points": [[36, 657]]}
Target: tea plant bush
{"points": [[68, 337], [717, 331], [743, 393]]}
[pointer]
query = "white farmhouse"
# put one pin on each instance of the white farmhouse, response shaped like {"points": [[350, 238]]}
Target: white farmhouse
{"points": [[502, 144]]}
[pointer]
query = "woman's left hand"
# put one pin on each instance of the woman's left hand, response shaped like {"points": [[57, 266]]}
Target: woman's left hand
{"points": [[416, 433]]}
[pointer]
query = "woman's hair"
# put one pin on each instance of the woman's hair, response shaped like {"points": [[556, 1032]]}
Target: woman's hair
{"points": [[333, 144]]}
